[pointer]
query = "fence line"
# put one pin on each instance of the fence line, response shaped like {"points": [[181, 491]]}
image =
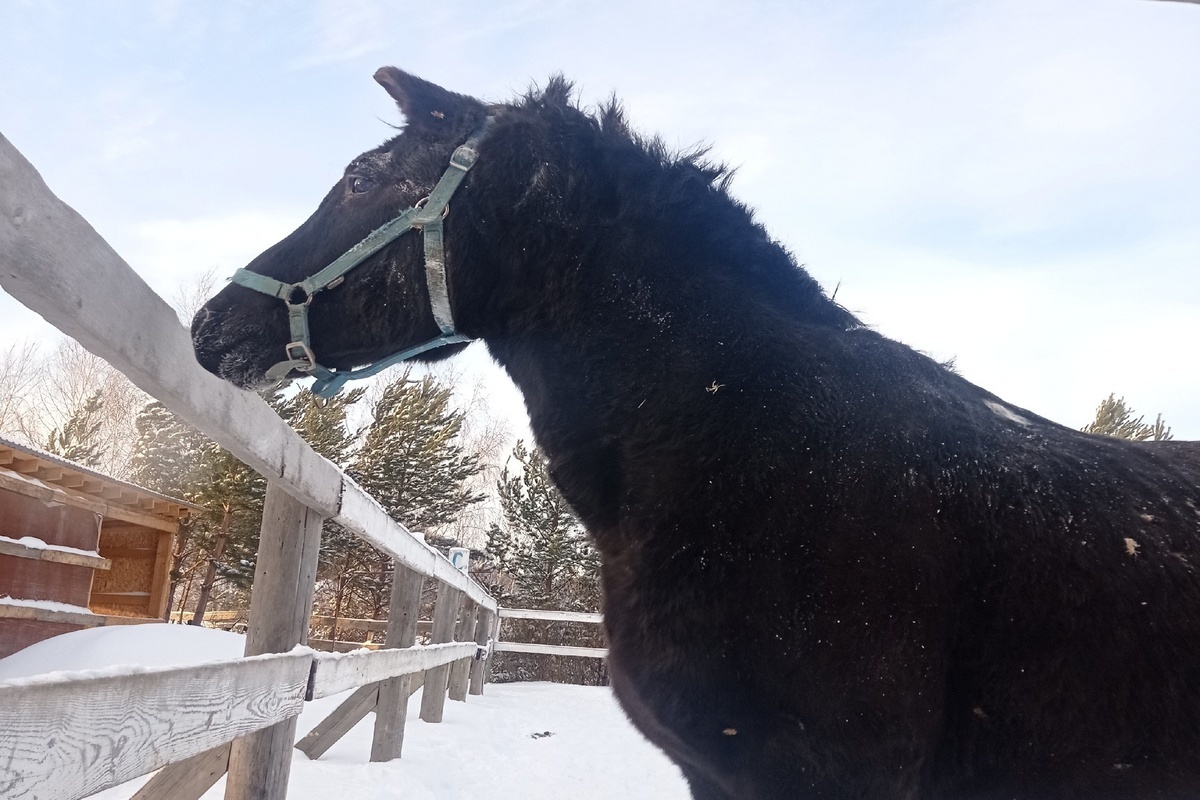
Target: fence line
{"points": [[197, 721], [136, 722], [56, 264], [499, 646]]}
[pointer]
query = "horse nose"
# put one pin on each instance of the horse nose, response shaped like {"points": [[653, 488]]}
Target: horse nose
{"points": [[203, 339], [201, 317]]}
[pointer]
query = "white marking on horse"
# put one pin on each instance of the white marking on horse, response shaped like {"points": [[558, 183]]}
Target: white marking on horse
{"points": [[1006, 413]]}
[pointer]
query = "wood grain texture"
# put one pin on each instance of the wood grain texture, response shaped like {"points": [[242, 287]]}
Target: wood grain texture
{"points": [[445, 618], [483, 632], [48, 493], [391, 713], [70, 736], [187, 779], [8, 611], [280, 605], [338, 672], [19, 550], [460, 671]]}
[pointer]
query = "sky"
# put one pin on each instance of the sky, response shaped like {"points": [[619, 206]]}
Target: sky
{"points": [[1012, 184]]}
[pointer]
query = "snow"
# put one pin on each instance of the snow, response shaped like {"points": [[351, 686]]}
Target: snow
{"points": [[33, 543], [51, 605], [494, 746]]}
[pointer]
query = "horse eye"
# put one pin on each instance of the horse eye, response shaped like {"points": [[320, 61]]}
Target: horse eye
{"points": [[359, 184]]}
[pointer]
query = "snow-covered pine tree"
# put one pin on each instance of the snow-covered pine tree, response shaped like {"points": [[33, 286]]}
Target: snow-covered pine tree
{"points": [[542, 545], [414, 462], [78, 439], [543, 548], [166, 453]]}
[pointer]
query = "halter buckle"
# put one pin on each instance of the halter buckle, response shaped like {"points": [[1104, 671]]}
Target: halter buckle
{"points": [[464, 157], [305, 354]]}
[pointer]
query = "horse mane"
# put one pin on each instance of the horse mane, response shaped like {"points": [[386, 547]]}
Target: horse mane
{"points": [[692, 191]]}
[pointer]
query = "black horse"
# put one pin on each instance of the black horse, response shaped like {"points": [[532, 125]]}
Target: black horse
{"points": [[832, 567]]}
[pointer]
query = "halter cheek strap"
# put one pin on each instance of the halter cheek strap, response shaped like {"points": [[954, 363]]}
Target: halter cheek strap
{"points": [[426, 216]]}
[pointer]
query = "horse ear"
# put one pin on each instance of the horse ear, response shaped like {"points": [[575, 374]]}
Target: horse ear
{"points": [[424, 104]]}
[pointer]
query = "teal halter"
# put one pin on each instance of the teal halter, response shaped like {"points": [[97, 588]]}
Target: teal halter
{"points": [[426, 215]]}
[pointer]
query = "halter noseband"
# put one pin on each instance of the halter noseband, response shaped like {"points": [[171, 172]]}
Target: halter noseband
{"points": [[427, 216]]}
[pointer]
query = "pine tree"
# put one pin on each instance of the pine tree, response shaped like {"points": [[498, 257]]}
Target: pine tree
{"points": [[324, 425], [543, 548], [167, 452], [1114, 418], [228, 530], [220, 542], [542, 545], [78, 439], [413, 461]]}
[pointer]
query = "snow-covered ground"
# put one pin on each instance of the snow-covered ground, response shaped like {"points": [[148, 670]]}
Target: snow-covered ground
{"points": [[522, 741]]}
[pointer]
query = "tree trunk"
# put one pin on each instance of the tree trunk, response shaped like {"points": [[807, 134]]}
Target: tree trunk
{"points": [[176, 569], [337, 607], [210, 577], [187, 590]]}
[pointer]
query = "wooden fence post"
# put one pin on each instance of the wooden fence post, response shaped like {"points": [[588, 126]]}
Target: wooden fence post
{"points": [[280, 605], [445, 615], [487, 668], [483, 631], [460, 671], [392, 709]]}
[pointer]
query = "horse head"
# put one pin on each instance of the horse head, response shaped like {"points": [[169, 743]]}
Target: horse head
{"points": [[379, 306]]}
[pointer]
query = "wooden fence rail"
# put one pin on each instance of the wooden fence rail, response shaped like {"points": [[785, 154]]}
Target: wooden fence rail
{"points": [[499, 646], [134, 722], [56, 264]]}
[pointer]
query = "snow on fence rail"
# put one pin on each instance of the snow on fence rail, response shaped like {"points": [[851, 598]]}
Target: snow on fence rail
{"points": [[56, 264], [138, 720]]}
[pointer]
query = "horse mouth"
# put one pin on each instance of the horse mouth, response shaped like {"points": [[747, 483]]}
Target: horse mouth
{"points": [[242, 359]]}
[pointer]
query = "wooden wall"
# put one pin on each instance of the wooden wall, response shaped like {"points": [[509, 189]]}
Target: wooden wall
{"points": [[28, 579], [136, 585]]}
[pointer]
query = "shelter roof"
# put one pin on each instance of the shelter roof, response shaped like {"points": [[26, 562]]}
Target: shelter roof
{"points": [[37, 466]]}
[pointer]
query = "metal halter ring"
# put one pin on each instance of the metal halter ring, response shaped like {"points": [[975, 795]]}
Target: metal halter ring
{"points": [[296, 287], [424, 200]]}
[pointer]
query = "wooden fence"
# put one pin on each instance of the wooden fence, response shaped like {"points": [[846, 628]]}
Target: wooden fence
{"points": [[223, 618], [237, 716], [548, 649]]}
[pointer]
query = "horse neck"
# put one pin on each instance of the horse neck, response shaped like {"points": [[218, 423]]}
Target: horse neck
{"points": [[609, 312]]}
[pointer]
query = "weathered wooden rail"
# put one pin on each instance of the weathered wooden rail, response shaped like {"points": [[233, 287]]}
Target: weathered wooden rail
{"points": [[500, 646], [237, 716], [137, 722]]}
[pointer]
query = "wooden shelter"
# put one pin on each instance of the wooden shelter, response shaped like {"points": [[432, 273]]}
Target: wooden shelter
{"points": [[77, 548]]}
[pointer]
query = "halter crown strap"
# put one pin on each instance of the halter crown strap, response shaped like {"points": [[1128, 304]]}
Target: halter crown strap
{"points": [[427, 216]]}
